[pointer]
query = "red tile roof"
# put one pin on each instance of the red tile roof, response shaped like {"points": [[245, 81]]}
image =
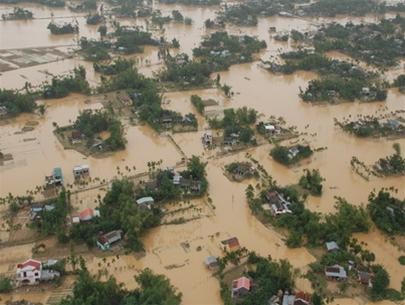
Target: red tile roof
{"points": [[86, 214], [32, 263], [232, 243], [242, 282]]}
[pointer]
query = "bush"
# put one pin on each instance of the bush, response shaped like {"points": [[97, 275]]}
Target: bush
{"points": [[5, 285]]}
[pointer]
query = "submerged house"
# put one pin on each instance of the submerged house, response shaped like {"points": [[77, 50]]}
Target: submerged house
{"points": [[207, 138], [241, 287], [211, 262], [332, 246], [299, 298], [231, 244], [366, 278], [336, 272], [146, 202], [56, 178], [105, 241], [81, 170], [278, 204]]}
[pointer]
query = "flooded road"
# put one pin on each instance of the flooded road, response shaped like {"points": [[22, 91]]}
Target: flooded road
{"points": [[36, 152]]}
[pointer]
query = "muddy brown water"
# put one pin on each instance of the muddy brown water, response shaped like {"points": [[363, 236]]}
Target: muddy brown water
{"points": [[36, 152]]}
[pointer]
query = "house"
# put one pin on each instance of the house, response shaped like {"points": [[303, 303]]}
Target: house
{"points": [[299, 298], [88, 214], [335, 272], [3, 111], [145, 202], [243, 169], [190, 185], [293, 152], [393, 124], [366, 278], [211, 262], [207, 138], [29, 272], [176, 179], [56, 178], [76, 137], [231, 244], [269, 128], [332, 246], [241, 286], [81, 170], [105, 241], [37, 209], [277, 203]]}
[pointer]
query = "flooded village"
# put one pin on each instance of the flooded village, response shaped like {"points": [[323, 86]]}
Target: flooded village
{"points": [[202, 152]]}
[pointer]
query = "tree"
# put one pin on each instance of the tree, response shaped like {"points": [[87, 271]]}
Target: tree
{"points": [[5, 285], [381, 282]]}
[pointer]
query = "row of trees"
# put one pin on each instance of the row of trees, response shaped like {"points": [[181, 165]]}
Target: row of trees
{"points": [[16, 102]]}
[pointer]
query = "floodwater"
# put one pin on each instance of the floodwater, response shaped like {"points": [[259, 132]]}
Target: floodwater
{"points": [[36, 152]]}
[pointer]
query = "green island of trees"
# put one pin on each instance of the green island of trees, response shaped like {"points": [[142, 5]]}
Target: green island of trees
{"points": [[192, 2], [147, 101], [120, 211], [387, 212], [221, 50], [312, 182], [330, 8], [18, 13], [94, 19], [237, 126], [66, 28], [393, 165], [117, 66], [13, 102], [340, 80], [400, 83], [291, 155], [380, 44], [95, 50], [373, 126], [61, 86], [50, 3], [88, 125], [152, 289]]}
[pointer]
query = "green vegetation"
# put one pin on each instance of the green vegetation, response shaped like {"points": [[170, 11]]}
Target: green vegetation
{"points": [[91, 123], [94, 50], [147, 101], [119, 211], [52, 220], [183, 72], [192, 2], [117, 66], [400, 82], [5, 285], [67, 28], [312, 181], [152, 290], [131, 40], [50, 3], [18, 14], [94, 19], [372, 126], [380, 44], [198, 103], [13, 102], [387, 212], [61, 86], [339, 80], [401, 260], [391, 165], [290, 155], [237, 126], [331, 8], [220, 50], [191, 184]]}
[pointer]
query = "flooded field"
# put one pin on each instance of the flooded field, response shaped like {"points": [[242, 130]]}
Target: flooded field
{"points": [[178, 250]]}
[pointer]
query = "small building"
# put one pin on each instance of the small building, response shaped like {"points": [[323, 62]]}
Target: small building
{"points": [[241, 287], [293, 152], [81, 170], [105, 241], [366, 278], [207, 138], [231, 244], [299, 298], [243, 169], [336, 272], [269, 128], [190, 185], [76, 137], [211, 262], [145, 202], [332, 246], [29, 272], [56, 178], [277, 203], [88, 214], [176, 179], [49, 275]]}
